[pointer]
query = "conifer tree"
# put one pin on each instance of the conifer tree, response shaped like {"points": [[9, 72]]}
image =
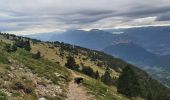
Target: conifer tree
{"points": [[37, 55], [88, 71], [27, 46], [128, 83], [97, 76], [71, 64], [106, 78]]}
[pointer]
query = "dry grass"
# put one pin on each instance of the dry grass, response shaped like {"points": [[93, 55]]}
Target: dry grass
{"points": [[53, 55]]}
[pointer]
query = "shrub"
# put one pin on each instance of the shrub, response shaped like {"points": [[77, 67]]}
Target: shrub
{"points": [[88, 71], [71, 64], [18, 86], [106, 78], [3, 57], [96, 75], [28, 90], [37, 55], [11, 48], [23, 44], [27, 46], [3, 96]]}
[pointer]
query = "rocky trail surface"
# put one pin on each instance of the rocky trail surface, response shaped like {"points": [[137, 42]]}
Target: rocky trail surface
{"points": [[77, 92]]}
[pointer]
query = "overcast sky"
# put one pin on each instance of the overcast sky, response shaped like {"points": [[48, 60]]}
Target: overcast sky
{"points": [[36, 16]]}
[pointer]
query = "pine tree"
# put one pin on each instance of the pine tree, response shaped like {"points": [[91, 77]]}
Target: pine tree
{"points": [[149, 97], [88, 71], [8, 47], [71, 64], [27, 46], [106, 78], [37, 55], [128, 83], [11, 47], [96, 76]]}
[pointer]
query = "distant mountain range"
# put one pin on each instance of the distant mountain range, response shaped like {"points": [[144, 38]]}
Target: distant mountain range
{"points": [[153, 39], [94, 39], [142, 46]]}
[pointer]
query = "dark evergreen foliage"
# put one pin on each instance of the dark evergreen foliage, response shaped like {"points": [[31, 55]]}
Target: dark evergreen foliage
{"points": [[23, 44], [106, 78], [96, 76], [27, 46], [71, 64], [134, 82], [11, 47], [88, 71], [128, 83], [36, 55]]}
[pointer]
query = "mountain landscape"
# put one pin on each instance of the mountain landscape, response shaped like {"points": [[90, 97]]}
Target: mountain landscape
{"points": [[146, 47], [154, 39], [31, 69], [84, 50]]}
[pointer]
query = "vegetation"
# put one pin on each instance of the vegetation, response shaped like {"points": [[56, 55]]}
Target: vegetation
{"points": [[3, 57], [71, 64], [102, 91], [11, 47], [23, 44], [96, 75], [128, 83], [88, 71], [106, 78], [137, 84], [42, 67], [36, 55], [16, 53], [3, 96]]}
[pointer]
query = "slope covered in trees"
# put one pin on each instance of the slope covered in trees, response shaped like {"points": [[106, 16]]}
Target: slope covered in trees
{"points": [[135, 84]]}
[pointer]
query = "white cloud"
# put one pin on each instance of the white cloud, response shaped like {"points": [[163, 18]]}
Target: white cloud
{"points": [[34, 16]]}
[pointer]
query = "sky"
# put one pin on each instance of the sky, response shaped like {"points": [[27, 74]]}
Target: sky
{"points": [[41, 16]]}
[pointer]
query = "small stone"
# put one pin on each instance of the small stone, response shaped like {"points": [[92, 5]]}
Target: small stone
{"points": [[42, 98]]}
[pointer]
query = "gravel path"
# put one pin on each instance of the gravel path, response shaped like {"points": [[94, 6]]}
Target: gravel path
{"points": [[77, 92]]}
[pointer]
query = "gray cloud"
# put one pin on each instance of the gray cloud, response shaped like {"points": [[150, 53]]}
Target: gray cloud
{"points": [[34, 15], [164, 17]]}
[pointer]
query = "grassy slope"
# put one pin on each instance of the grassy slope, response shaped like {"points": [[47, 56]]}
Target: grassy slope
{"points": [[49, 65], [41, 71], [95, 87], [53, 55]]}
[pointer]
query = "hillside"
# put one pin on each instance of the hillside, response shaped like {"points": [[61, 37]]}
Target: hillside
{"points": [[153, 43], [29, 75], [132, 53], [142, 58]]}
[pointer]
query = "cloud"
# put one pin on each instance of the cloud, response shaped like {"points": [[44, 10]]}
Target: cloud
{"points": [[164, 17], [58, 15]]}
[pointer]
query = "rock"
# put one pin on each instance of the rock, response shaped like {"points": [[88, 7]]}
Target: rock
{"points": [[57, 74], [12, 68], [42, 98]]}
